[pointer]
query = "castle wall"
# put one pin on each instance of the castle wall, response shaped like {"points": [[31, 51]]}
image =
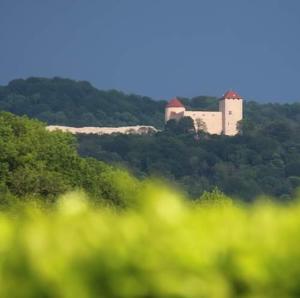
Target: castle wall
{"points": [[174, 113], [224, 121], [232, 113], [138, 129], [212, 120]]}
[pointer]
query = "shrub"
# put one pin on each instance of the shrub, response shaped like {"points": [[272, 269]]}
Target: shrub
{"points": [[164, 247]]}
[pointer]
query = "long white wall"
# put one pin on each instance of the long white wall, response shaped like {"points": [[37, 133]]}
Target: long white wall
{"points": [[139, 129]]}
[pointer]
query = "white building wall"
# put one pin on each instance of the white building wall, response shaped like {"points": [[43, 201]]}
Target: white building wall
{"points": [[232, 113], [213, 120], [174, 113], [217, 122], [138, 129]]}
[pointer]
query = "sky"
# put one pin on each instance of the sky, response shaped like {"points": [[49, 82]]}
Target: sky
{"points": [[157, 48]]}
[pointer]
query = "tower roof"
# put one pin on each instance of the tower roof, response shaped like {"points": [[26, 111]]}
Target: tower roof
{"points": [[231, 95], [175, 103]]}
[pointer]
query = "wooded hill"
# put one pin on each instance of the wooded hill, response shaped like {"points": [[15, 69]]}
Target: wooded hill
{"points": [[264, 159], [67, 102]]}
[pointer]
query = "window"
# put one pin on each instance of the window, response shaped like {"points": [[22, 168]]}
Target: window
{"points": [[229, 112]]}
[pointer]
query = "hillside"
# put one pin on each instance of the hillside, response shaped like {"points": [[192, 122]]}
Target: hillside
{"points": [[265, 159]]}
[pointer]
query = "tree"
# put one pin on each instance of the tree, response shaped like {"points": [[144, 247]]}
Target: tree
{"points": [[37, 163], [185, 125], [171, 126], [200, 125]]}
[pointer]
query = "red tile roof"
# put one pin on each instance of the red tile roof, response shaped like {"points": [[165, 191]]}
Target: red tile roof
{"points": [[175, 103], [231, 94]]}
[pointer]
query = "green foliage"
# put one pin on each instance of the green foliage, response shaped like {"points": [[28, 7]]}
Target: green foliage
{"points": [[214, 198], [42, 164], [200, 125], [203, 103], [163, 247], [77, 103], [183, 125], [171, 126]]}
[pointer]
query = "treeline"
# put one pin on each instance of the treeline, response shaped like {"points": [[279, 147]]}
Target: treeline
{"points": [[77, 103], [37, 164], [263, 159]]}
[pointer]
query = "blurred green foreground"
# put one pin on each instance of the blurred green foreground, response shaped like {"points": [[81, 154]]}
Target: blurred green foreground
{"points": [[163, 247]]}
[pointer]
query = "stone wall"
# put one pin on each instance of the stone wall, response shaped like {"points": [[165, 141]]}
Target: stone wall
{"points": [[138, 130]]}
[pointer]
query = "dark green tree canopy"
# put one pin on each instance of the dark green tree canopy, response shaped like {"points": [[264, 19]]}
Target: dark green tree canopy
{"points": [[182, 125], [77, 103]]}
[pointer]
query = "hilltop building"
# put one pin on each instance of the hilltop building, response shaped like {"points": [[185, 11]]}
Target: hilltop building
{"points": [[223, 121]]}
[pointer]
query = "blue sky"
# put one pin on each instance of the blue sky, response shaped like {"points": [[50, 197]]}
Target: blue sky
{"points": [[158, 48]]}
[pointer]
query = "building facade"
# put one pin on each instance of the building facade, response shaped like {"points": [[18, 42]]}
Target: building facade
{"points": [[219, 122]]}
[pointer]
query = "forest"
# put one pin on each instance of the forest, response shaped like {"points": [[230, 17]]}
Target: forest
{"points": [[264, 159]]}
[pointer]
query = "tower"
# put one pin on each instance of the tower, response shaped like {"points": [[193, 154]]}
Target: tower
{"points": [[231, 107], [174, 110]]}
